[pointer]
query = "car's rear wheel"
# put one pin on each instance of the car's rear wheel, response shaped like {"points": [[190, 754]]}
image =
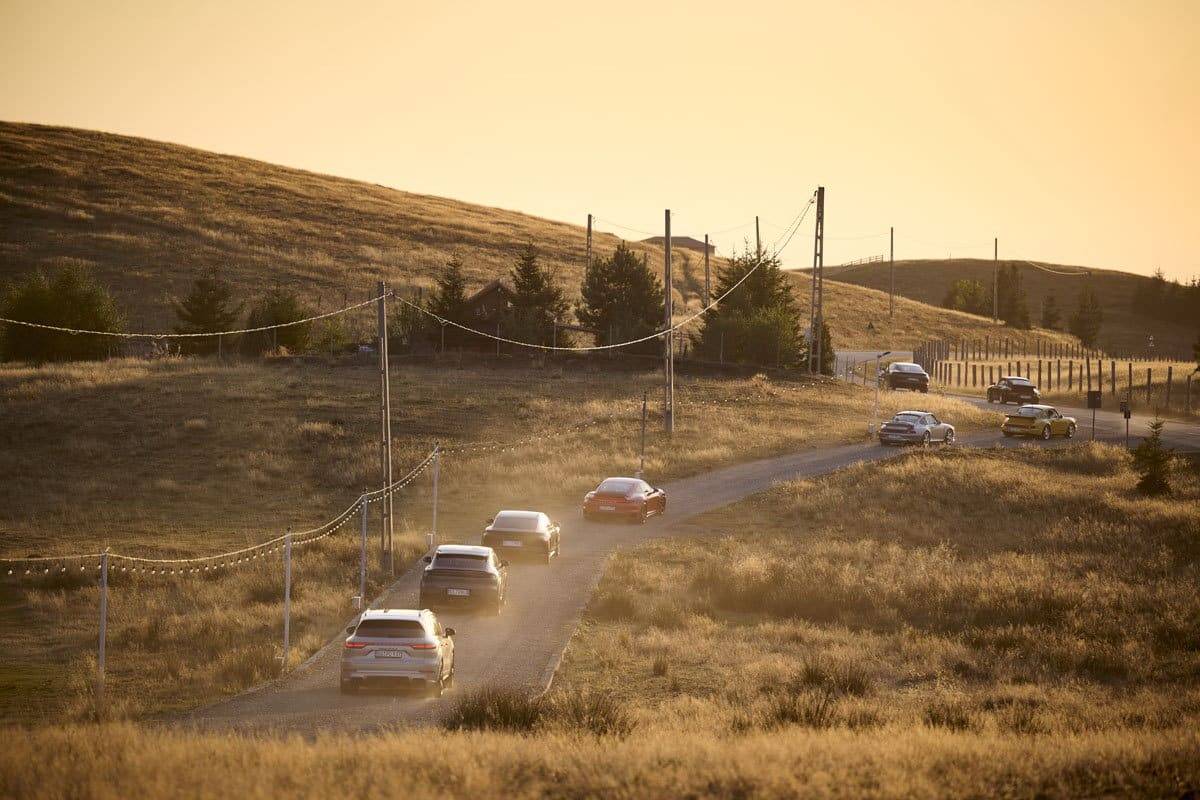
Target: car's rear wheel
{"points": [[926, 439], [1045, 433]]}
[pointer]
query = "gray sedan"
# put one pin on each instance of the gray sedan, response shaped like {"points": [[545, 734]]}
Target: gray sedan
{"points": [[916, 427], [398, 646]]}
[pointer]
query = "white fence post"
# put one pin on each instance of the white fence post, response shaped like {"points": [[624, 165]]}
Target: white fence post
{"points": [[362, 554], [287, 596], [103, 632]]}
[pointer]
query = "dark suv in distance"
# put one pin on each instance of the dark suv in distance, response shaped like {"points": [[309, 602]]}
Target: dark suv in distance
{"points": [[905, 375], [1013, 389], [464, 575]]}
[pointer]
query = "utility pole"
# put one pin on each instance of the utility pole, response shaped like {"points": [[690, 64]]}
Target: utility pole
{"points": [[642, 448], [385, 414], [814, 341], [437, 469], [287, 597], [668, 338], [996, 280], [589, 241], [362, 554], [892, 271], [103, 632], [757, 239], [707, 275]]}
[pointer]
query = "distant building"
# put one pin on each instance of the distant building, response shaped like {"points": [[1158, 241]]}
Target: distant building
{"points": [[490, 304], [686, 242]]}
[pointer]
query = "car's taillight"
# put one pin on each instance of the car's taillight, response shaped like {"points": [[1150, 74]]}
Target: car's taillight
{"points": [[354, 645], [423, 646]]}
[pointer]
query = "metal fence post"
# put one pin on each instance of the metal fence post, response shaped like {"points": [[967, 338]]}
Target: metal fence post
{"points": [[103, 632], [287, 597]]}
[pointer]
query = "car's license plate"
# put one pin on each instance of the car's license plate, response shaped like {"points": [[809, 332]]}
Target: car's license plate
{"points": [[389, 654], [511, 543], [608, 508], [459, 592]]}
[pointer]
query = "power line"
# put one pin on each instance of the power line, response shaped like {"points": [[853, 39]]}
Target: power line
{"points": [[1052, 271], [592, 348], [124, 335]]}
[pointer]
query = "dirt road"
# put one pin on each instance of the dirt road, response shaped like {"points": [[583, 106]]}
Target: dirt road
{"points": [[524, 644]]}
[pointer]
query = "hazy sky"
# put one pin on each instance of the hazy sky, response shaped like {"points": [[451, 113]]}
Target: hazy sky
{"points": [[1068, 129]]}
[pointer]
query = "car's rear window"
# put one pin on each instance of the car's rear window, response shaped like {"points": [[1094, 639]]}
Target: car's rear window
{"points": [[1019, 382], [913, 418], [617, 487], [515, 522], [1029, 412], [906, 368], [457, 561], [390, 628]]}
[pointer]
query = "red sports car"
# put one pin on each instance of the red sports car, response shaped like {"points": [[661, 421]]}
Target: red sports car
{"points": [[628, 498]]}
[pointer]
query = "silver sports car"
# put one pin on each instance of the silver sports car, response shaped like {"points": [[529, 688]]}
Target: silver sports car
{"points": [[916, 427]]}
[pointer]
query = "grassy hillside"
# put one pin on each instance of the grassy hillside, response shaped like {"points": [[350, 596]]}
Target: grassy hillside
{"points": [[1123, 333], [954, 652], [149, 217]]}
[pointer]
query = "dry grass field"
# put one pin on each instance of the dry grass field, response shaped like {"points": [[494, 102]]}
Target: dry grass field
{"points": [[908, 646], [148, 217], [190, 457], [1123, 332]]}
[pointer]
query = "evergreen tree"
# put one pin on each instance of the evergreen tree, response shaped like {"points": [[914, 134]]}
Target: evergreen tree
{"points": [[1012, 304], [1153, 462], [969, 296], [1051, 316], [537, 303], [277, 307], [622, 298], [1085, 322], [760, 321], [208, 308], [73, 299], [449, 301]]}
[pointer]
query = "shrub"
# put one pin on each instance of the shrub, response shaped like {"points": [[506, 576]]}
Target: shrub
{"points": [[660, 666], [593, 712], [208, 308], [278, 307], [73, 299], [954, 715], [814, 708], [1153, 462], [622, 299], [495, 708]]}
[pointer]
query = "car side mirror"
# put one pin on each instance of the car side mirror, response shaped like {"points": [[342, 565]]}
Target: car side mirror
{"points": [[428, 559], [449, 631], [350, 629]]}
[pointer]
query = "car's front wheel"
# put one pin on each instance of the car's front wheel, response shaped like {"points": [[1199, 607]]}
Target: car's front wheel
{"points": [[1045, 433], [1070, 431], [949, 437], [926, 439]]}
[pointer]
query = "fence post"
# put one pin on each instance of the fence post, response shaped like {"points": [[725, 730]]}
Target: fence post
{"points": [[1070, 375], [1112, 377], [1167, 399], [1089, 373], [1039, 371], [437, 470], [287, 597], [1149, 396], [362, 554], [1058, 381], [1188, 396], [973, 375], [1129, 381], [103, 633]]}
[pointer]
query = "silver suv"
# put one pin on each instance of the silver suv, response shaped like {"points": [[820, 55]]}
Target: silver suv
{"points": [[395, 646]]}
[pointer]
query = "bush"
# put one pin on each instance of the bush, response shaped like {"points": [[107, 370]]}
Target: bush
{"points": [[208, 308], [73, 299], [278, 307], [1153, 462], [494, 708], [592, 712]]}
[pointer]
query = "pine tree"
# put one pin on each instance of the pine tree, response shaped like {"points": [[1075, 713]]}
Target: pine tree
{"points": [[1086, 321], [622, 299], [967, 295], [537, 303], [1051, 316], [1013, 306], [449, 301], [759, 322], [277, 307], [1153, 462], [208, 308]]}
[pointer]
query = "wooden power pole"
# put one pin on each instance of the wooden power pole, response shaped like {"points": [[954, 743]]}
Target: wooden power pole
{"points": [[757, 239], [996, 279], [892, 272], [385, 420], [707, 275], [589, 241], [814, 346], [668, 338]]}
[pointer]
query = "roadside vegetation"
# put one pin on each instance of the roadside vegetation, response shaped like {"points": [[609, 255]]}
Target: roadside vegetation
{"points": [[188, 457], [802, 642]]}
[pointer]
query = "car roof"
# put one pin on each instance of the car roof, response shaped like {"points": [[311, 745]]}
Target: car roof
{"points": [[620, 478], [1035, 405], [1014, 378], [410, 614], [508, 512], [463, 550], [904, 364], [898, 413]]}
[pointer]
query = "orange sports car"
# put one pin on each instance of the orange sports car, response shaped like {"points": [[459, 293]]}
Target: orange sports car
{"points": [[631, 499]]}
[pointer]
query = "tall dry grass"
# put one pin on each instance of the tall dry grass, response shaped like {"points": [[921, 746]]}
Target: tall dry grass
{"points": [[186, 457]]}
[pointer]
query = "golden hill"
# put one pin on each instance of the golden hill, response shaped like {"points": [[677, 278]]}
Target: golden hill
{"points": [[1123, 333], [148, 217]]}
